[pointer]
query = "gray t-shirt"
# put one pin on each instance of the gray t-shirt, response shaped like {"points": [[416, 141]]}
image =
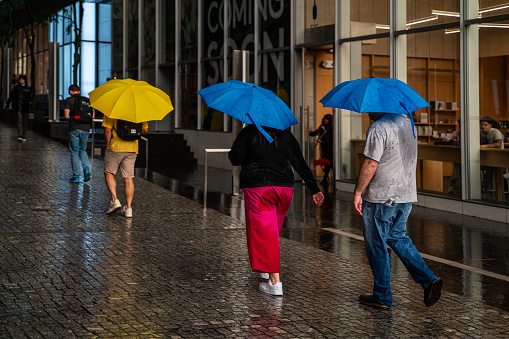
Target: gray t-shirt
{"points": [[494, 135], [391, 143]]}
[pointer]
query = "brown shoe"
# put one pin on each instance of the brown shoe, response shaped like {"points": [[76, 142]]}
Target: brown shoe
{"points": [[371, 300], [432, 292]]}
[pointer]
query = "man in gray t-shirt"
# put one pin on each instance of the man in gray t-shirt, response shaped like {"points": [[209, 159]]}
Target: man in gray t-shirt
{"points": [[390, 142], [387, 178]]}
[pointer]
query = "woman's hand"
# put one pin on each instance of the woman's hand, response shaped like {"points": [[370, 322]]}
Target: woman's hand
{"points": [[318, 198]]}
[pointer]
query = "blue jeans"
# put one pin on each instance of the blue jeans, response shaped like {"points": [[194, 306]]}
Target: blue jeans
{"points": [[78, 145], [386, 225]]}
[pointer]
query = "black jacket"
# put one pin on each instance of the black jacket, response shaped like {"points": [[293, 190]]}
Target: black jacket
{"points": [[264, 164], [21, 97], [325, 134]]}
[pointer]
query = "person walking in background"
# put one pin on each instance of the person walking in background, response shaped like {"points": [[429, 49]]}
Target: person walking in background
{"points": [[78, 112], [267, 180], [119, 153], [387, 178], [326, 140], [21, 98]]}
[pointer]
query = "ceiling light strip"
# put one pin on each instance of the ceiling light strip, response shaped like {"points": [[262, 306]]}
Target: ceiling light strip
{"points": [[421, 20]]}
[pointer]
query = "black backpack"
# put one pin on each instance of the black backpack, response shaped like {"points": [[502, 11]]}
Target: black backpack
{"points": [[81, 111], [128, 131]]}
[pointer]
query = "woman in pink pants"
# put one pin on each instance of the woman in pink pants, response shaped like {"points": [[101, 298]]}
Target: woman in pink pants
{"points": [[267, 180]]}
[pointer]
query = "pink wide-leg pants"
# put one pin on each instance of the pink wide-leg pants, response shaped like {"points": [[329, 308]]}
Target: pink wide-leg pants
{"points": [[265, 211]]}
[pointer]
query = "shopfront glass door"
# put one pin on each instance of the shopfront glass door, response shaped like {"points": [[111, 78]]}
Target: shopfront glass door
{"points": [[314, 80]]}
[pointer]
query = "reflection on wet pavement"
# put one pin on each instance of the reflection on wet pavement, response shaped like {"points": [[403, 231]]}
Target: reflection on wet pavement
{"points": [[474, 242], [175, 270]]}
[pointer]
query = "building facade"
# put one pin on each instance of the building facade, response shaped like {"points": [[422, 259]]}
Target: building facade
{"points": [[95, 65], [453, 53]]}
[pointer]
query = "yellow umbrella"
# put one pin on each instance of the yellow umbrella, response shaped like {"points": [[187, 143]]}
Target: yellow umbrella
{"points": [[131, 100]]}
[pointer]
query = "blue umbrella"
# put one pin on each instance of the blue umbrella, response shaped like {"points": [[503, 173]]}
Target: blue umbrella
{"points": [[250, 104], [375, 95]]}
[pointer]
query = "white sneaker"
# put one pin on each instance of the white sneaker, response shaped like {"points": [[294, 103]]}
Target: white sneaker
{"points": [[114, 206], [264, 275], [269, 288], [127, 212]]}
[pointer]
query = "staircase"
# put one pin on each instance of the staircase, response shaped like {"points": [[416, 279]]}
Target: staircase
{"points": [[168, 154]]}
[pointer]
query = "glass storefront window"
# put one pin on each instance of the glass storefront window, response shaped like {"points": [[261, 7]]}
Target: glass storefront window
{"points": [[60, 28], [314, 22], [117, 35], [188, 65], [189, 30], [104, 63], [370, 17], [275, 33], [369, 58], [132, 37], [493, 7], [88, 67], [149, 34], [275, 24], [425, 13], [89, 18], [188, 96], [105, 17], [212, 51], [167, 32], [433, 72], [493, 106]]}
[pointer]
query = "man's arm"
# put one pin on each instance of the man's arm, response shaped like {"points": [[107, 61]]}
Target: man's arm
{"points": [[366, 173], [107, 136], [67, 113], [497, 144]]}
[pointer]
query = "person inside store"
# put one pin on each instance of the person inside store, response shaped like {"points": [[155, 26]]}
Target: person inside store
{"points": [[491, 137]]}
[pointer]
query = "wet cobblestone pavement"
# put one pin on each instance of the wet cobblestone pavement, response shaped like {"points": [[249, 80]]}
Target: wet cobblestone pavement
{"points": [[67, 270]]}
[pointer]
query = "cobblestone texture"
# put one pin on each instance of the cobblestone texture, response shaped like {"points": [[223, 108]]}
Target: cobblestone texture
{"points": [[67, 270]]}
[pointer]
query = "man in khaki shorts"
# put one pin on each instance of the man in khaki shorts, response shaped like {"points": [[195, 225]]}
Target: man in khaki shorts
{"points": [[119, 153]]}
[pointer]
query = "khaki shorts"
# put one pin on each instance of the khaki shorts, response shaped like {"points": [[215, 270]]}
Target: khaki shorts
{"points": [[126, 160]]}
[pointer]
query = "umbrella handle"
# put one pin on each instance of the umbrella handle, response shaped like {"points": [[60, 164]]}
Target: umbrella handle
{"points": [[260, 128], [411, 118], [413, 126]]}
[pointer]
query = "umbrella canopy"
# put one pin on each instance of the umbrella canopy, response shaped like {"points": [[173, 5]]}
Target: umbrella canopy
{"points": [[250, 104], [375, 95], [131, 100]]}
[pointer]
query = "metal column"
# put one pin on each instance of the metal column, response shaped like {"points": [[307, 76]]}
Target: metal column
{"points": [[240, 72], [8, 64], [54, 82]]}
